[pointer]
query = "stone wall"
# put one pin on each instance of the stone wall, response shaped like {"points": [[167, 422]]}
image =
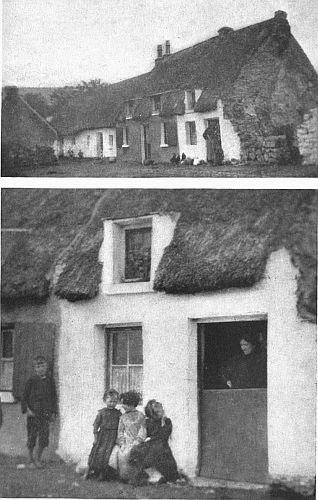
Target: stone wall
{"points": [[268, 100], [307, 135]]}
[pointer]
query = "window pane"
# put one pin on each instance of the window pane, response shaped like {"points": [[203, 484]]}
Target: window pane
{"points": [[135, 378], [138, 254], [7, 343], [120, 348], [119, 379], [135, 348]]}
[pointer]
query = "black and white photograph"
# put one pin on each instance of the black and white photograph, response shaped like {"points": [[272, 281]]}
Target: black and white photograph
{"points": [[162, 343], [159, 210], [160, 88]]}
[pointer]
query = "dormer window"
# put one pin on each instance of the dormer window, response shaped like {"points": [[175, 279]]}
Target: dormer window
{"points": [[129, 109], [190, 100], [137, 254], [132, 250], [156, 104]]}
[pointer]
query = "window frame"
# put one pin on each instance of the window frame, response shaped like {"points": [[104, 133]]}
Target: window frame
{"points": [[129, 109], [3, 360], [119, 252], [190, 100], [156, 104], [125, 137], [191, 135], [164, 135], [126, 231], [111, 140], [110, 331]]}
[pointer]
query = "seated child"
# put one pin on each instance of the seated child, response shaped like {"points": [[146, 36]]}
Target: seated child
{"points": [[39, 402], [131, 432], [105, 434], [155, 453]]}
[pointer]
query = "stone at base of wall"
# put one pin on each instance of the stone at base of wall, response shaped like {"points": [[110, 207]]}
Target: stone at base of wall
{"points": [[303, 487]]}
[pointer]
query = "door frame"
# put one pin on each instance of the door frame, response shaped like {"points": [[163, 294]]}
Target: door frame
{"points": [[194, 336]]}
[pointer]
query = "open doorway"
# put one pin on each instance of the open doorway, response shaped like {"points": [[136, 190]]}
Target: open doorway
{"points": [[233, 400]]}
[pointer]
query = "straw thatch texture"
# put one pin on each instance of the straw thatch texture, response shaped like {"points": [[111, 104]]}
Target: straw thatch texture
{"points": [[223, 239], [213, 64], [53, 218]]}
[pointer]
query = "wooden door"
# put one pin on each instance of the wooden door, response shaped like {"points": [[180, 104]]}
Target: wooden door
{"points": [[100, 145], [233, 423], [147, 142], [212, 135], [30, 340]]}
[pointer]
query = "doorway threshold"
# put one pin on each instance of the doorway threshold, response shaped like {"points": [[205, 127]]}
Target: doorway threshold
{"points": [[205, 482]]}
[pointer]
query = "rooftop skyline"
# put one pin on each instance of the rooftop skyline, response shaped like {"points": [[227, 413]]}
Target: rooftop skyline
{"points": [[55, 43]]}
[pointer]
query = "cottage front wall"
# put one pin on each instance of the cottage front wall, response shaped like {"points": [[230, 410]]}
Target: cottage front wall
{"points": [[170, 364], [132, 151], [229, 138], [87, 140]]}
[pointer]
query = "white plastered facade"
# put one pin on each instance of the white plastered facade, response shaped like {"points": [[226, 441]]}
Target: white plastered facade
{"points": [[86, 141], [169, 329], [229, 138]]}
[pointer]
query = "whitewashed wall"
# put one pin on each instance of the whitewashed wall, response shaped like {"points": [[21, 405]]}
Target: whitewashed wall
{"points": [[229, 138], [170, 364], [89, 149]]}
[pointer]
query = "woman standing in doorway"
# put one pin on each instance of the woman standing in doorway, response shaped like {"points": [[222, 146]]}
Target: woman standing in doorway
{"points": [[247, 370]]}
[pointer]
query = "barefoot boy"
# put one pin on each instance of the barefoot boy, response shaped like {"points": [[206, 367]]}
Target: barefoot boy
{"points": [[40, 404]]}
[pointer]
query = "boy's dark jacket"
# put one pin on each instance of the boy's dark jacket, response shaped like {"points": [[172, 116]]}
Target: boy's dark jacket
{"points": [[40, 396]]}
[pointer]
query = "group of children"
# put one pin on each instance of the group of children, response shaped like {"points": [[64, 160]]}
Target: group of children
{"points": [[129, 446]]}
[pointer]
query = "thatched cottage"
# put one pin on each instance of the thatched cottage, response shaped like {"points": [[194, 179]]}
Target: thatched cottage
{"points": [[151, 289], [21, 123], [240, 95]]}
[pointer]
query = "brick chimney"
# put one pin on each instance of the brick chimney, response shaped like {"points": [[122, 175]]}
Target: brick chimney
{"points": [[167, 48], [280, 14], [159, 51], [224, 31], [11, 93]]}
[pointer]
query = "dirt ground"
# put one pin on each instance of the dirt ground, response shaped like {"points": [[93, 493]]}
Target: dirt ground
{"points": [[97, 168], [59, 480]]}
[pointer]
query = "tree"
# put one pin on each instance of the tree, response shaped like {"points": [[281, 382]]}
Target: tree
{"points": [[65, 96]]}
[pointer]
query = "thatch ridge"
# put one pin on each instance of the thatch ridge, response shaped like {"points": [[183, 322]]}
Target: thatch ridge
{"points": [[212, 64]]}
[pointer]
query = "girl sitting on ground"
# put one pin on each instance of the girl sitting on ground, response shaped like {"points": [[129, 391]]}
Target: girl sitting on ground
{"points": [[131, 432], [155, 453], [105, 434]]}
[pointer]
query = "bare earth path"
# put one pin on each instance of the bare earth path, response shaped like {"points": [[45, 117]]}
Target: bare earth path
{"points": [[91, 168]]}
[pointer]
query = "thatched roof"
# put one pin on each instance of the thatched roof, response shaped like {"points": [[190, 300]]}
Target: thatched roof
{"points": [[223, 239], [43, 223], [212, 65], [17, 116]]}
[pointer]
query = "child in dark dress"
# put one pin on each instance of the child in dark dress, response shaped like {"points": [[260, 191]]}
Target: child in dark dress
{"points": [[155, 452], [105, 435], [39, 402]]}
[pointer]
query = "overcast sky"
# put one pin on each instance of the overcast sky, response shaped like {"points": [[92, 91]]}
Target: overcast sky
{"points": [[59, 42]]}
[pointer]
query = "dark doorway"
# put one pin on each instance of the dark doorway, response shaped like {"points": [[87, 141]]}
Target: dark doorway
{"points": [[233, 421], [212, 135]]}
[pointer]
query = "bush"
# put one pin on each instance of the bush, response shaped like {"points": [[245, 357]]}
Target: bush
{"points": [[45, 156], [17, 155]]}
